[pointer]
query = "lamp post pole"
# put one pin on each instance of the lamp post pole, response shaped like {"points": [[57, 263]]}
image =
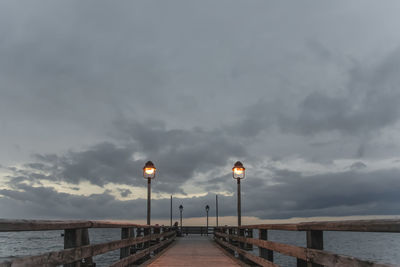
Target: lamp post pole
{"points": [[148, 200], [207, 209], [216, 208], [171, 211], [239, 204], [181, 209], [238, 173], [149, 172]]}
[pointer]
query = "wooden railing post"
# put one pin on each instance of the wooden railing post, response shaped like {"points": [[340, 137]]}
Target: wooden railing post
{"points": [[156, 232], [125, 234], [249, 234], [263, 252], [240, 233], [230, 241], [72, 239], [147, 232], [88, 262], [315, 240]]}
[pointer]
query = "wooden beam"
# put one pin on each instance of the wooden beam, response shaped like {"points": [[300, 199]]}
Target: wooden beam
{"points": [[143, 253], [75, 254], [249, 256], [263, 252], [40, 225], [324, 258]]}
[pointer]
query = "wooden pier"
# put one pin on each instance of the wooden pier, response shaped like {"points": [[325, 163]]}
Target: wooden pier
{"points": [[194, 250], [158, 246]]}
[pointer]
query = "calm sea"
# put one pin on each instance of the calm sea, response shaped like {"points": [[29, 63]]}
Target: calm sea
{"points": [[380, 247]]}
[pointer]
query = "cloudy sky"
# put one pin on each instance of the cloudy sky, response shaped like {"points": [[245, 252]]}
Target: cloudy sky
{"points": [[305, 93]]}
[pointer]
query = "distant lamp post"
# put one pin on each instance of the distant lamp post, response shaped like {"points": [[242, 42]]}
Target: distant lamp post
{"points": [[238, 173], [207, 209], [181, 209], [149, 172]]}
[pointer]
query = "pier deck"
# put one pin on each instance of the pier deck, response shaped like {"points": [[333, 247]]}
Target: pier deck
{"points": [[194, 250]]}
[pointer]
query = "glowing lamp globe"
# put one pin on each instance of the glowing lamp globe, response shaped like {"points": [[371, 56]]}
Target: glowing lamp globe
{"points": [[149, 171], [238, 170]]}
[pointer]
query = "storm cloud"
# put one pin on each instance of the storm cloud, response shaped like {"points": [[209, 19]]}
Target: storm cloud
{"points": [[306, 94]]}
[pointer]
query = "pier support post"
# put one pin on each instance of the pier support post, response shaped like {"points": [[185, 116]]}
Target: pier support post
{"points": [[76, 238], [125, 234], [249, 234], [156, 232], [315, 240], [263, 252], [72, 239], [240, 233], [230, 241]]}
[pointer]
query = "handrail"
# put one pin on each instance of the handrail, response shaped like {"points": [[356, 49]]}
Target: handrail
{"points": [[239, 239], [43, 225], [391, 226], [79, 252]]}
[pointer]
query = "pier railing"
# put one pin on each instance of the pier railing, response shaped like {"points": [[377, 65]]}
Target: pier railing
{"points": [[136, 245], [240, 240]]}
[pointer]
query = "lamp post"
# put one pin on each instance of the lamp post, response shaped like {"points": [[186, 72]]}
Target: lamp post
{"points": [[207, 209], [181, 209], [149, 172], [238, 173]]}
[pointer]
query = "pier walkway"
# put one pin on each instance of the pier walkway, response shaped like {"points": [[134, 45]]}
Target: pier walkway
{"points": [[154, 245], [194, 250]]}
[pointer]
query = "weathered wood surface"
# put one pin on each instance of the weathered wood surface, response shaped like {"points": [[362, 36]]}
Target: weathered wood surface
{"points": [[143, 253], [307, 254], [194, 251], [75, 254], [390, 226], [42, 225], [263, 252], [251, 257]]}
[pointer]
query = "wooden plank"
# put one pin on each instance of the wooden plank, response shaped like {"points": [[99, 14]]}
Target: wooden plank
{"points": [[251, 257], [143, 253], [286, 227], [195, 250], [40, 225], [75, 254], [391, 226], [119, 224], [43, 225], [307, 254], [286, 249], [333, 260]]}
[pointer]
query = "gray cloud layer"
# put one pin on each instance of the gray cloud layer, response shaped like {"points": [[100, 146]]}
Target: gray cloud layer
{"points": [[94, 89], [337, 194]]}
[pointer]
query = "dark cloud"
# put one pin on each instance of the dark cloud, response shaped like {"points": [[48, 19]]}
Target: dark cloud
{"points": [[178, 154], [358, 165], [291, 195], [94, 91], [124, 192], [370, 102], [331, 194]]}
